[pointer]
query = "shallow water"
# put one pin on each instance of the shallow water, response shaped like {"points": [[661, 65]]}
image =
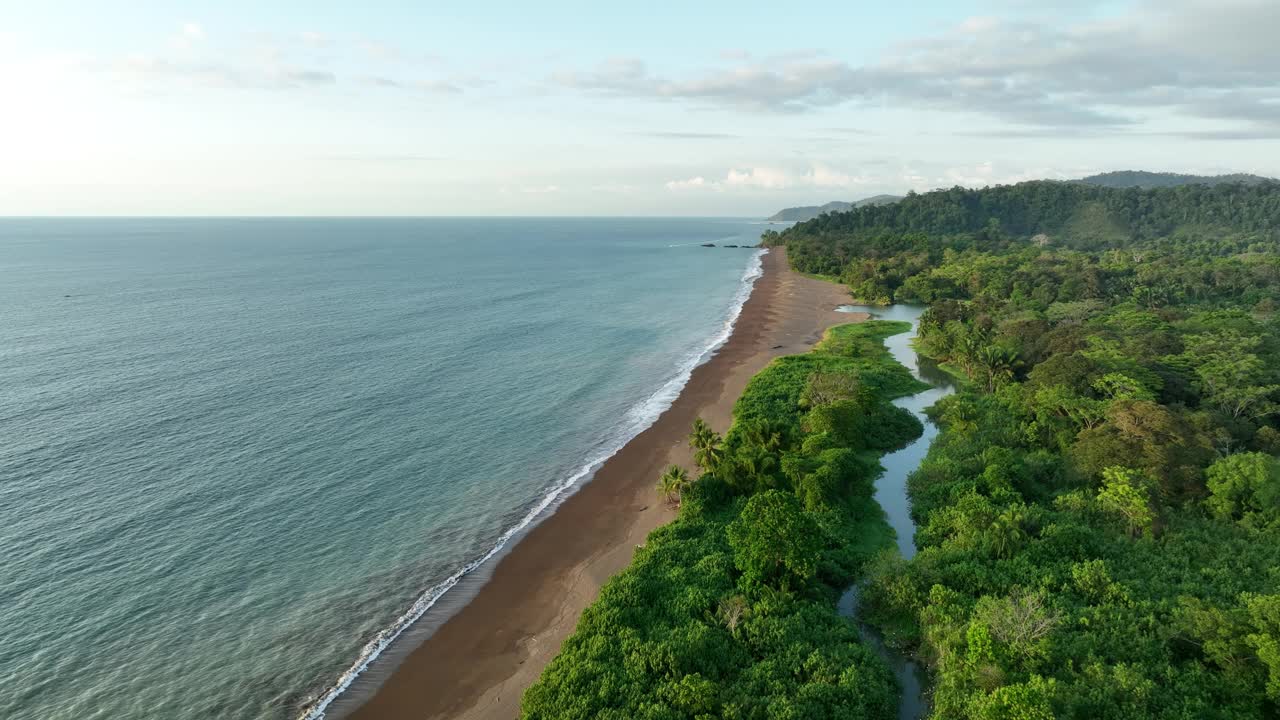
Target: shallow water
{"points": [[891, 491], [235, 455]]}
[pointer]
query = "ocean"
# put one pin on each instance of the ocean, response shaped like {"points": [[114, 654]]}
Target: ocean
{"points": [[238, 456]]}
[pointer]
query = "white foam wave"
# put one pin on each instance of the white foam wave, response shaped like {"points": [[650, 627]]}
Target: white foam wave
{"points": [[638, 418], [647, 411]]}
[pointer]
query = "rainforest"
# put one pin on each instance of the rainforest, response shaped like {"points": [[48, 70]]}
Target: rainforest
{"points": [[1098, 521]]}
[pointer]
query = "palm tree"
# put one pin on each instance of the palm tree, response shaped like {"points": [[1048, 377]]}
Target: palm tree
{"points": [[757, 465], [1007, 534], [672, 484], [707, 446], [997, 363], [762, 435], [967, 349]]}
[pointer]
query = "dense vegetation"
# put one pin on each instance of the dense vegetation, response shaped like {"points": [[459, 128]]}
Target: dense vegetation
{"points": [[1143, 179], [729, 611], [1222, 225], [1099, 521]]}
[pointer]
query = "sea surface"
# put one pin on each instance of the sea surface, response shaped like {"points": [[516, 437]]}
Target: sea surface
{"points": [[238, 456]]}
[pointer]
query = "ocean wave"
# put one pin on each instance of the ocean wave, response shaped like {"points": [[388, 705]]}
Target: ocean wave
{"points": [[637, 419]]}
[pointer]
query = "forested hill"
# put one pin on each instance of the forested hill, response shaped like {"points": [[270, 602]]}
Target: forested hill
{"points": [[1144, 179], [808, 212], [1056, 214]]}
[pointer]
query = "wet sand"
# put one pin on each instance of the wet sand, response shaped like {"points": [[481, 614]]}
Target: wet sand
{"points": [[478, 663]]}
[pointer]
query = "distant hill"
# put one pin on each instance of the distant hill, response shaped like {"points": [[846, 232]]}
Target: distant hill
{"points": [[1143, 179], [809, 212], [1072, 215]]}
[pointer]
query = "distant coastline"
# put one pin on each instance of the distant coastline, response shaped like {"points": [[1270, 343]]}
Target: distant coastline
{"points": [[809, 212]]}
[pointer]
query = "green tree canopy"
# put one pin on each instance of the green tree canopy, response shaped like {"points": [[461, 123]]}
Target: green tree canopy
{"points": [[1245, 488], [774, 541], [1125, 494]]}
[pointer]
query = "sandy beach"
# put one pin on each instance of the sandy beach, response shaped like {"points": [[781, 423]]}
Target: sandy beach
{"points": [[479, 662]]}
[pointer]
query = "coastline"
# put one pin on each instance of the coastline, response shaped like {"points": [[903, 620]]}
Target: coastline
{"points": [[477, 663]]}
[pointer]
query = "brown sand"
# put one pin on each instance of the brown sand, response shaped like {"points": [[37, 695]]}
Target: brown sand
{"points": [[478, 663]]}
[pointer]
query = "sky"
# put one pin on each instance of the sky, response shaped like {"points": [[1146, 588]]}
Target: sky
{"points": [[585, 108]]}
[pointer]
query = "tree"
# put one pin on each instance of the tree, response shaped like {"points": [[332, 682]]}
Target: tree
{"points": [[774, 541], [1006, 533], [996, 364], [708, 446], [1245, 488], [828, 387], [1264, 619], [1124, 494], [1232, 376], [1145, 435], [969, 347], [763, 435], [1031, 700], [1021, 623], [1118, 386], [672, 484]]}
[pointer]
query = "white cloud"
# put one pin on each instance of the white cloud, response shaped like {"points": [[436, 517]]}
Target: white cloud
{"points": [[767, 178], [975, 176], [770, 178], [1198, 59], [188, 35], [267, 62], [822, 179], [314, 39], [692, 183]]}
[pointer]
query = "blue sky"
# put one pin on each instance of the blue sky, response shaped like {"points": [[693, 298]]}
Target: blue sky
{"points": [[710, 108]]}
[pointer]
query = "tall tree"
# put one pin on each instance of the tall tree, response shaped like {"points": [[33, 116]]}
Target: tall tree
{"points": [[673, 483]]}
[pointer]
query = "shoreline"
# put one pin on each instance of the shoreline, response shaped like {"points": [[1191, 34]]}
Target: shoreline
{"points": [[478, 662]]}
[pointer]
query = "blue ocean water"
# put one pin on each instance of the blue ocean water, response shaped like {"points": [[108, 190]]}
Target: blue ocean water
{"points": [[236, 455]]}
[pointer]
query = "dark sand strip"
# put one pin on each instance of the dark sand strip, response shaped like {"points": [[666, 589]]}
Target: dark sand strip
{"points": [[478, 663]]}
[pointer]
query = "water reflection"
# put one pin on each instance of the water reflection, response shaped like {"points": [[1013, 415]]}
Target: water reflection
{"points": [[891, 489]]}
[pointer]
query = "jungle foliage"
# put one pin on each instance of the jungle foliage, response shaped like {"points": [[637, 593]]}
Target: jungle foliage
{"points": [[729, 611], [1098, 520]]}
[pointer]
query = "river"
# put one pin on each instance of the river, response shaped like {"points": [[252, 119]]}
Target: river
{"points": [[891, 492]]}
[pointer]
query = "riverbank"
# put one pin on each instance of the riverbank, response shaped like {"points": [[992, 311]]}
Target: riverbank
{"points": [[479, 662]]}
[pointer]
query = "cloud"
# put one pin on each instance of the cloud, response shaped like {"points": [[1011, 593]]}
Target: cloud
{"points": [[377, 81], [301, 78], [189, 34], [315, 39], [540, 189], [439, 87], [850, 131], [267, 61], [398, 159], [767, 178], [151, 71], [678, 135], [820, 180], [692, 183], [615, 188], [431, 87], [1197, 58], [1255, 133]]}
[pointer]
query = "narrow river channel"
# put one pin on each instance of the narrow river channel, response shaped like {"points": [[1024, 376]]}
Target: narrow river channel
{"points": [[891, 492]]}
